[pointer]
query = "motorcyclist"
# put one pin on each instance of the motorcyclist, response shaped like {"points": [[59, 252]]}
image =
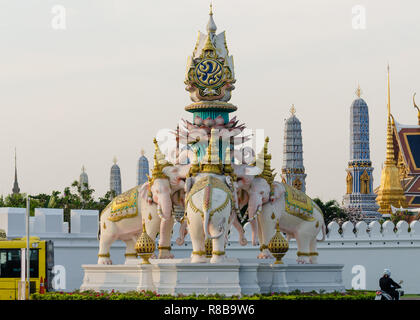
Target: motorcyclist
{"points": [[388, 285]]}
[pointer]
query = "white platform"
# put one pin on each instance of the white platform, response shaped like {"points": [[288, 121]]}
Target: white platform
{"points": [[233, 277]]}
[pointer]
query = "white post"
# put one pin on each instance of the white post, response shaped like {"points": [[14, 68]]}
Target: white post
{"points": [[22, 283], [28, 207]]}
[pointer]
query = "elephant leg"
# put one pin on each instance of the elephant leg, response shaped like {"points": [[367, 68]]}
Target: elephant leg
{"points": [[313, 258], [165, 239], [182, 233], [197, 238], [104, 246], [218, 254], [130, 251], [264, 230], [254, 228], [242, 239], [303, 246]]}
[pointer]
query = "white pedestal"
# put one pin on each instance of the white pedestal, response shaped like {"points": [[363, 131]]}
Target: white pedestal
{"points": [[233, 277]]}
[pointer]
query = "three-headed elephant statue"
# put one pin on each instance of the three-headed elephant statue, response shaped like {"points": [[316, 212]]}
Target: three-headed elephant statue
{"points": [[298, 216], [209, 212], [122, 218]]}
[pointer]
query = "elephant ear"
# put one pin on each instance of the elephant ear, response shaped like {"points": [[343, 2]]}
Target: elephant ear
{"points": [[278, 190], [144, 190]]}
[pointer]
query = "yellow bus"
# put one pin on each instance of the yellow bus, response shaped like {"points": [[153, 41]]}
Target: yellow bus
{"points": [[41, 264]]}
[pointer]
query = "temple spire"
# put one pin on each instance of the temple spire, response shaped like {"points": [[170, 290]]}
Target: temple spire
{"points": [[390, 191], [16, 188], [211, 25], [389, 138]]}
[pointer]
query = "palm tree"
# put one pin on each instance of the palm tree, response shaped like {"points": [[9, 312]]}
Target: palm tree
{"points": [[331, 210]]}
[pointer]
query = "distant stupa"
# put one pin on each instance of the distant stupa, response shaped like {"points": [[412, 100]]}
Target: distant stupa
{"points": [[142, 169], [359, 196], [390, 192], [16, 189], [293, 171], [115, 180], [83, 179]]}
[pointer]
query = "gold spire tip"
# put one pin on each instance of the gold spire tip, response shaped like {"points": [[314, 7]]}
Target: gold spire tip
{"points": [[358, 91], [293, 110]]}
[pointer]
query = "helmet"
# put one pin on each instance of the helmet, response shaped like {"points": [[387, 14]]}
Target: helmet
{"points": [[387, 272]]}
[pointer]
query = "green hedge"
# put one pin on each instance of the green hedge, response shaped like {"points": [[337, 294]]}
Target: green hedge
{"points": [[148, 295]]}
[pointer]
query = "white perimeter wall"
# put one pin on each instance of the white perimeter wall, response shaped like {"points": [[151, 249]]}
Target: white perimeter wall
{"points": [[373, 247]]}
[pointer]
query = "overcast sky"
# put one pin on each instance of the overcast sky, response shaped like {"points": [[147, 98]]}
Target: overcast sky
{"points": [[105, 85]]}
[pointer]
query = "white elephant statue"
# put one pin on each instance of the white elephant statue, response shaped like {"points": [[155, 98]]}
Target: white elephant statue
{"points": [[302, 219], [151, 202], [208, 213], [298, 216], [122, 218], [245, 176]]}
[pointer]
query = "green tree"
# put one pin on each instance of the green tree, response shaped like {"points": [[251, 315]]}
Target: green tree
{"points": [[72, 197], [331, 210]]}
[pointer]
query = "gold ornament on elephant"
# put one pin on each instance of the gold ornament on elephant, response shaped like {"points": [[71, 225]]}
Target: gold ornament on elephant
{"points": [[278, 245], [208, 245], [145, 246], [264, 161]]}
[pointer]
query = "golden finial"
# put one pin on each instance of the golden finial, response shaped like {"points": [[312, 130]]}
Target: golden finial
{"points": [[142, 151], [213, 160], [389, 138], [83, 168], [418, 110], [160, 157], [278, 245], [145, 246], [293, 110], [389, 95], [264, 160], [211, 8], [115, 160], [358, 91]]}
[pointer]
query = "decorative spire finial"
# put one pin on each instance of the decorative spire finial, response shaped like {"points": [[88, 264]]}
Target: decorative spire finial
{"points": [[358, 91], [390, 159], [83, 168], [211, 26], [115, 160], [212, 164], [293, 110], [16, 188], [389, 95]]}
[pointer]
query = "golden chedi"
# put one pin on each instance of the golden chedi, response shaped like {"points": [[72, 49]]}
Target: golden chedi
{"points": [[278, 245], [390, 191], [145, 246]]}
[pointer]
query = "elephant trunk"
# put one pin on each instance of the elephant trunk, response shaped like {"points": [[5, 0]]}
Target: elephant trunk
{"points": [[206, 210], [207, 227], [165, 208], [254, 204]]}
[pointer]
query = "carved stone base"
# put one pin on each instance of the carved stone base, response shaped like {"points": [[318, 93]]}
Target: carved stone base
{"points": [[232, 277]]}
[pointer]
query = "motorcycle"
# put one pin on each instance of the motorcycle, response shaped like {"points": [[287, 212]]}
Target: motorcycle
{"points": [[382, 295]]}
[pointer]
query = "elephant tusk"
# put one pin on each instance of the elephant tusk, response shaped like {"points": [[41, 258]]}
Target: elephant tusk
{"points": [[259, 210], [159, 212]]}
